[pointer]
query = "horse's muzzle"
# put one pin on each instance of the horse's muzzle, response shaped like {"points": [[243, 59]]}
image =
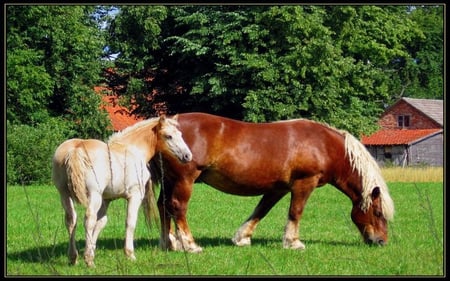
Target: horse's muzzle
{"points": [[376, 241], [186, 157]]}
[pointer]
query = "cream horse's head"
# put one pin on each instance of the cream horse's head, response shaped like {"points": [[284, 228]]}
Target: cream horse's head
{"points": [[170, 139]]}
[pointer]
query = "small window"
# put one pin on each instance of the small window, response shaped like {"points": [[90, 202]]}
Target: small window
{"points": [[388, 152], [403, 121]]}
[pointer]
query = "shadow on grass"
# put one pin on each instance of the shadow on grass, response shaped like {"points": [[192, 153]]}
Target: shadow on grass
{"points": [[49, 253], [212, 242]]}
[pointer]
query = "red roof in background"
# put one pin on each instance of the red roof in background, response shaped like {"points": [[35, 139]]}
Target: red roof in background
{"points": [[395, 137], [120, 116]]}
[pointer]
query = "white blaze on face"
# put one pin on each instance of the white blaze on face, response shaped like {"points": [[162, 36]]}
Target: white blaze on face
{"points": [[175, 143]]}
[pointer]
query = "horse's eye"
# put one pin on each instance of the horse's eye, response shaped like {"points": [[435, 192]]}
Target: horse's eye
{"points": [[377, 213], [168, 137]]}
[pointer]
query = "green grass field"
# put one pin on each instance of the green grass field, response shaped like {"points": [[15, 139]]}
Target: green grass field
{"points": [[36, 238]]}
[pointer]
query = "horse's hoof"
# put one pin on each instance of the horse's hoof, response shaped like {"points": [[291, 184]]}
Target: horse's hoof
{"points": [[130, 254], [89, 260], [90, 264], [195, 249], [296, 245], [242, 242], [73, 261]]}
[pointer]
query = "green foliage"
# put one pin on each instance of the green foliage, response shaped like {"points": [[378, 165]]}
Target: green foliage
{"points": [[28, 86], [29, 150], [53, 57], [88, 119], [135, 35], [426, 79], [337, 64]]}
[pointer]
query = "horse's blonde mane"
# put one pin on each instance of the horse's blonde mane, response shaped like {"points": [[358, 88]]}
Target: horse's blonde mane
{"points": [[151, 122], [370, 172]]}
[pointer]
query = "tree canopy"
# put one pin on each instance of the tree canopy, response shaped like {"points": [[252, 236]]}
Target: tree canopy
{"points": [[337, 64], [53, 63], [341, 64]]}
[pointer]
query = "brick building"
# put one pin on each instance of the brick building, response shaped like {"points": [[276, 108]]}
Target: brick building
{"points": [[412, 133], [119, 115]]}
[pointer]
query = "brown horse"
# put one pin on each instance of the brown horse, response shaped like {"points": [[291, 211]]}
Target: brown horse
{"points": [[270, 159], [93, 173]]}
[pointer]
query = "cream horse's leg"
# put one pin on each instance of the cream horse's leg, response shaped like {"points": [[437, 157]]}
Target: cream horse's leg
{"points": [[71, 225], [90, 222], [134, 202], [102, 219]]}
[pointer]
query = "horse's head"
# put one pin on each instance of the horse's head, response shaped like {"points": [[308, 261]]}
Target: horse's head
{"points": [[372, 204], [371, 223], [170, 140]]}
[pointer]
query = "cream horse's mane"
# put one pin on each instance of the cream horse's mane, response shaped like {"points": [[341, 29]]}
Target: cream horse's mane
{"points": [[367, 168], [118, 136]]}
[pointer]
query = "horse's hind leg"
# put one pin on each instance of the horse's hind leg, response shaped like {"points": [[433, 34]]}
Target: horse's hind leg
{"points": [[71, 225], [90, 221], [102, 219], [245, 232]]}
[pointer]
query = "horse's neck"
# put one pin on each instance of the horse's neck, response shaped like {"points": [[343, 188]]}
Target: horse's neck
{"points": [[143, 144], [349, 182]]}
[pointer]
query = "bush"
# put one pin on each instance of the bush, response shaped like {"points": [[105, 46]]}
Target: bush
{"points": [[30, 149]]}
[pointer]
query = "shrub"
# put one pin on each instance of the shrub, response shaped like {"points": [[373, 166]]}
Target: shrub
{"points": [[30, 149]]}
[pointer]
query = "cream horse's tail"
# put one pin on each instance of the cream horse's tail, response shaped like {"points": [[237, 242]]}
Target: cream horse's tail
{"points": [[77, 163], [149, 204]]}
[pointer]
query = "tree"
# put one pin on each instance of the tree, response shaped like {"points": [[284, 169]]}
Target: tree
{"points": [[427, 66], [53, 64], [337, 64], [134, 34]]}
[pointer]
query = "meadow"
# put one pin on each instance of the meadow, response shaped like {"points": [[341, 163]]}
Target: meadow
{"points": [[36, 238]]}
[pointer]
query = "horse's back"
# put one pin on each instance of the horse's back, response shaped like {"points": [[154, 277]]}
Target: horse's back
{"points": [[65, 149], [241, 157], [69, 145]]}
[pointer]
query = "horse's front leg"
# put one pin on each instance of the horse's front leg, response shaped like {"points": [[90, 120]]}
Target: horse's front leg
{"points": [[300, 193], [167, 240], [245, 232], [174, 205], [134, 202]]}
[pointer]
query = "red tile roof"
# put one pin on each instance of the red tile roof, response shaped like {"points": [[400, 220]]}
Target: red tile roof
{"points": [[396, 137], [120, 116]]}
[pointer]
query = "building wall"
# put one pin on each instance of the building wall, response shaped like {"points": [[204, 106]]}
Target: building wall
{"points": [[429, 151], [390, 154], [417, 119]]}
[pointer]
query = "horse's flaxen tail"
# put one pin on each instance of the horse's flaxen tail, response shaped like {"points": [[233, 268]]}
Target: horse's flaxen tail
{"points": [[77, 163], [149, 204]]}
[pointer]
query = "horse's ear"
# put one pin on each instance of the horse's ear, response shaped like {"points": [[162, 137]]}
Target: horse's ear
{"points": [[175, 117], [376, 193], [162, 118]]}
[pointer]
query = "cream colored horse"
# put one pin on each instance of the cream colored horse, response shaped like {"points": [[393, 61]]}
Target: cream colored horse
{"points": [[93, 173]]}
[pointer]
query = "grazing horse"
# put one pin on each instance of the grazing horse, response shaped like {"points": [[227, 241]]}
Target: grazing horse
{"points": [[270, 159], [93, 173]]}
